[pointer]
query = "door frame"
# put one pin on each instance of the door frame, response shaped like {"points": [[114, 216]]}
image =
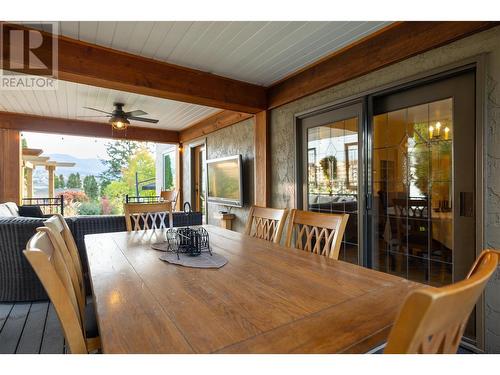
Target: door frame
{"points": [[192, 174], [477, 62]]}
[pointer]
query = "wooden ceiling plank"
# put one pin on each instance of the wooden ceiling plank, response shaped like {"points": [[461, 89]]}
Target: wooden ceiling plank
{"points": [[387, 46], [94, 65], [44, 124]]}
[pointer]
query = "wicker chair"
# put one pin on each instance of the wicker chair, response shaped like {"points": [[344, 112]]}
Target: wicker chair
{"points": [[18, 282]]}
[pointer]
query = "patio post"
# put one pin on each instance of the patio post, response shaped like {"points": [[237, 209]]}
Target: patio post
{"points": [[28, 174]]}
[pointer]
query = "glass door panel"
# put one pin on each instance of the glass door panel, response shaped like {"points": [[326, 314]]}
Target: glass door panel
{"points": [[332, 174], [422, 182], [412, 168]]}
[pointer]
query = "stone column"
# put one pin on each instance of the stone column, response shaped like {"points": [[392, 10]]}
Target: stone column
{"points": [[29, 181]]}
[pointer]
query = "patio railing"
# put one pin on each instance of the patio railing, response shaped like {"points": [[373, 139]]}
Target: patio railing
{"points": [[138, 199], [47, 205]]}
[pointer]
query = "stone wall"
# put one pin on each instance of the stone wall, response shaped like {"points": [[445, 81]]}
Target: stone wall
{"points": [[233, 140], [283, 151]]}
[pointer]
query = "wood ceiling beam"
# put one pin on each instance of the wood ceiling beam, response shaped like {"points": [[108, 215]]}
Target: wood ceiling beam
{"points": [[95, 65], [209, 124], [389, 45], [32, 151], [43, 124]]}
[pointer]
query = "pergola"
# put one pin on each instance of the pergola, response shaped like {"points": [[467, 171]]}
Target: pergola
{"points": [[31, 159]]}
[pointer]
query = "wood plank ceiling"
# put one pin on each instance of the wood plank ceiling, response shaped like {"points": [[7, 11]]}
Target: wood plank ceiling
{"points": [[257, 52], [69, 99]]}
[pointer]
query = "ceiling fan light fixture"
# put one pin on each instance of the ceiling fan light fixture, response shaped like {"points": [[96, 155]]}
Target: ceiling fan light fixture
{"points": [[119, 123]]}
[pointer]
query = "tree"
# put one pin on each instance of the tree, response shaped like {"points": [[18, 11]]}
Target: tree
{"points": [[115, 192], [59, 182], [24, 143], [90, 187], [62, 184], [119, 153], [74, 181], [169, 179], [89, 208], [143, 163]]}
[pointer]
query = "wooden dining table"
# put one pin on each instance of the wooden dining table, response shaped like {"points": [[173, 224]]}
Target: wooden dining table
{"points": [[266, 299]]}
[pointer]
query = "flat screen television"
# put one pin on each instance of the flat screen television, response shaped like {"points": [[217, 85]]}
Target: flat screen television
{"points": [[224, 181]]}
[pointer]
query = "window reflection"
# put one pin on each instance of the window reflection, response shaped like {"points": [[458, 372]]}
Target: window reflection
{"points": [[333, 176], [412, 166]]}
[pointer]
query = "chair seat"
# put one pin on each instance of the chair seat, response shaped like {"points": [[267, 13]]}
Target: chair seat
{"points": [[91, 328]]}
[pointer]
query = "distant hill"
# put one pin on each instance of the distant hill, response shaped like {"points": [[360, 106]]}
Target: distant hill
{"points": [[85, 167]]}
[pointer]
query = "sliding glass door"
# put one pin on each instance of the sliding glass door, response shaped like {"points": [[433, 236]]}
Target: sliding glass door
{"points": [[422, 182], [404, 171]]}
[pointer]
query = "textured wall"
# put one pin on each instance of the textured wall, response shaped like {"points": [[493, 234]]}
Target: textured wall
{"points": [[283, 152], [233, 140]]}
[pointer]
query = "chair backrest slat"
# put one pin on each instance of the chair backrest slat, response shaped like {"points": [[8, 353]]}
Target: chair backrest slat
{"points": [[139, 216], [169, 195], [433, 320], [48, 263], [63, 239], [266, 223], [317, 233]]}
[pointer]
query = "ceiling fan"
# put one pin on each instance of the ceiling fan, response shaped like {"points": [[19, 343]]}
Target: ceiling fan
{"points": [[119, 119]]}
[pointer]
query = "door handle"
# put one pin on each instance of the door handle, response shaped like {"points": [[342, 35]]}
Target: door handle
{"points": [[368, 201]]}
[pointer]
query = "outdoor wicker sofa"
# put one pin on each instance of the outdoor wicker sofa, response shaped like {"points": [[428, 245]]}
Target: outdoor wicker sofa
{"points": [[18, 282]]}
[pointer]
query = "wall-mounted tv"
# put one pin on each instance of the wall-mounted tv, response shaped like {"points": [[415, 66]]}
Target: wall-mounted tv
{"points": [[224, 181]]}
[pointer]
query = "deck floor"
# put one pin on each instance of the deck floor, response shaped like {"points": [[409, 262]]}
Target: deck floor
{"points": [[30, 328]]}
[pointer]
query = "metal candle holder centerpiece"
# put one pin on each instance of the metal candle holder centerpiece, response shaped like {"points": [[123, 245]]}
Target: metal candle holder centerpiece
{"points": [[186, 240]]}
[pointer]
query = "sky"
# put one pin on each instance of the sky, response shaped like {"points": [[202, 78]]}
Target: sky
{"points": [[80, 147]]}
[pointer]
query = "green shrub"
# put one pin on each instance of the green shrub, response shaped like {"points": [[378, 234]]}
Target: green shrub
{"points": [[89, 208]]}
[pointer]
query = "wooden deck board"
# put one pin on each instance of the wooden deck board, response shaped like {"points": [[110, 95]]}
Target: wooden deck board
{"points": [[32, 335], [4, 313], [13, 328], [30, 328], [53, 338]]}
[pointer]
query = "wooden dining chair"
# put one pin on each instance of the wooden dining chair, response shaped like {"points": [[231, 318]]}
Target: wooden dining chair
{"points": [[316, 232], [50, 267], [169, 195], [139, 216], [433, 320], [66, 242], [266, 223]]}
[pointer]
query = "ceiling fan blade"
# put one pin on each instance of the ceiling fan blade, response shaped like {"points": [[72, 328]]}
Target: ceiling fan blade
{"points": [[137, 112], [143, 119], [98, 110], [94, 116]]}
